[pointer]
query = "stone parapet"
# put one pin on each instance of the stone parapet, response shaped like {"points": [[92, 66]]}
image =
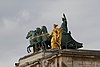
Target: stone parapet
{"points": [[61, 58]]}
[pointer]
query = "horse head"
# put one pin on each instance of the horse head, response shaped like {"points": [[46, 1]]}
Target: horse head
{"points": [[44, 29], [31, 33], [38, 31]]}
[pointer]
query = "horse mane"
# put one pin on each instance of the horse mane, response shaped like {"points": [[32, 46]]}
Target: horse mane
{"points": [[38, 30], [44, 29]]}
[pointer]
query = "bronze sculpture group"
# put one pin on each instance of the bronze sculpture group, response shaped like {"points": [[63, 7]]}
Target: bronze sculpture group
{"points": [[39, 39], [59, 38]]}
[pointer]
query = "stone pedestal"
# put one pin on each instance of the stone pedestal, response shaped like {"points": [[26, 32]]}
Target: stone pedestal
{"points": [[61, 58]]}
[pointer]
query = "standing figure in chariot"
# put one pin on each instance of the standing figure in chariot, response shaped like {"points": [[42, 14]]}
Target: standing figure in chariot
{"points": [[56, 37]]}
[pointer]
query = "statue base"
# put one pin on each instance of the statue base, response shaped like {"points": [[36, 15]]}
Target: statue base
{"points": [[61, 58]]}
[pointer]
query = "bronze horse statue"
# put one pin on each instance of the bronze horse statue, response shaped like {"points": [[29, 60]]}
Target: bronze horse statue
{"points": [[46, 39], [33, 42], [39, 39]]}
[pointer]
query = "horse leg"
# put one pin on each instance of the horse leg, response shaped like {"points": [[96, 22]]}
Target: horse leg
{"points": [[48, 43], [28, 49], [37, 47], [34, 48], [44, 46]]}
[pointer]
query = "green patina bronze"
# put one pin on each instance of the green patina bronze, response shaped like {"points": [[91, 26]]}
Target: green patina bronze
{"points": [[40, 39], [33, 42], [67, 41]]}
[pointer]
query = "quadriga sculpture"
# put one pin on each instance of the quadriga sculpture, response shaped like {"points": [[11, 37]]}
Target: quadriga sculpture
{"points": [[59, 38]]}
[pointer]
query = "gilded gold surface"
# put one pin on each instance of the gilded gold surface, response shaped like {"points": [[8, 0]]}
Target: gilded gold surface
{"points": [[56, 37]]}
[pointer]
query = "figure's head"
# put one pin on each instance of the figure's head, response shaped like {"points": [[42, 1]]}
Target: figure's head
{"points": [[55, 25], [63, 17]]}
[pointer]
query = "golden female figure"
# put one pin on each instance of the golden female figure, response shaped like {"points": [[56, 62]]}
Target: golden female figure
{"points": [[56, 37]]}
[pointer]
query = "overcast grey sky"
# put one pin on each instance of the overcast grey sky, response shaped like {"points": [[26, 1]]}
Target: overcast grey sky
{"points": [[17, 17]]}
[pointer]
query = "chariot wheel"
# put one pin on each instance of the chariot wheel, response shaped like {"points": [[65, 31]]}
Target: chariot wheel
{"points": [[71, 45]]}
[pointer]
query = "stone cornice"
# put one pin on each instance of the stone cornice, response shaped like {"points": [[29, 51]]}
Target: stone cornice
{"points": [[54, 53]]}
